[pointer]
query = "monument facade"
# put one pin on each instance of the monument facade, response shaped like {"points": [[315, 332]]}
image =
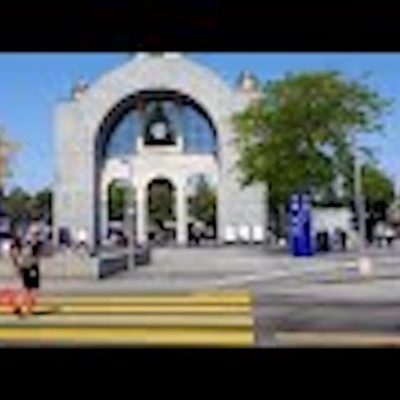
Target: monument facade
{"points": [[149, 102]]}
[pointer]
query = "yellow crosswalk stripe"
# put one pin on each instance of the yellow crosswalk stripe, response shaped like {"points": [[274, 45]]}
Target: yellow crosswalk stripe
{"points": [[152, 309], [199, 319], [332, 339], [139, 309], [193, 299], [129, 336], [220, 320]]}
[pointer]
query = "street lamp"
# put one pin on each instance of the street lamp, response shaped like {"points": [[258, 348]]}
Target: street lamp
{"points": [[130, 214], [364, 263]]}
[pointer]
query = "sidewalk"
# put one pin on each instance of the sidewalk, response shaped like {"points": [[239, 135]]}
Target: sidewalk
{"points": [[186, 270]]}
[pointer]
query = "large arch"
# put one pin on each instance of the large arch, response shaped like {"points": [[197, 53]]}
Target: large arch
{"points": [[107, 105], [163, 74], [107, 129]]}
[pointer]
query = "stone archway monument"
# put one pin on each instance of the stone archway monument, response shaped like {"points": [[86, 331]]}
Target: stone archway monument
{"points": [[81, 170]]}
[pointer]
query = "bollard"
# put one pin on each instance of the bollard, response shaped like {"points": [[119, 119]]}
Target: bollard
{"points": [[365, 267]]}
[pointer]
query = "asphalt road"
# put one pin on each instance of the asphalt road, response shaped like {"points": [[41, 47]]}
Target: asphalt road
{"points": [[357, 307], [278, 314]]}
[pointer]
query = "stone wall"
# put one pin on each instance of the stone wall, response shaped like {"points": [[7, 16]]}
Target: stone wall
{"points": [[61, 266]]}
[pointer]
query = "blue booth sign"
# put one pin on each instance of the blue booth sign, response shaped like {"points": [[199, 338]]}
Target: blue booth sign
{"points": [[300, 225]]}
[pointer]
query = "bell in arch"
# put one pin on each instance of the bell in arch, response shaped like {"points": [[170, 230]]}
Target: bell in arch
{"points": [[158, 128]]}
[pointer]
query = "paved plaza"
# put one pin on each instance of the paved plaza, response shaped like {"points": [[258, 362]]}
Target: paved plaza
{"points": [[185, 269]]}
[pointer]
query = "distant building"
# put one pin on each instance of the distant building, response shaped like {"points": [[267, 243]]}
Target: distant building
{"points": [[330, 219]]}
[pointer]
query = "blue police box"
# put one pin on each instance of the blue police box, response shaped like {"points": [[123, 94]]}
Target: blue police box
{"points": [[300, 225]]}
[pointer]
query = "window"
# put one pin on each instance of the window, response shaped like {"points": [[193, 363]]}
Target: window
{"points": [[165, 116], [123, 137]]}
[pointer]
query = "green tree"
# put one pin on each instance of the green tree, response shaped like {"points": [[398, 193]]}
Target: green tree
{"points": [[117, 199], [379, 192], [40, 206], [202, 205], [161, 202], [377, 186], [298, 135], [17, 206], [7, 149], [22, 207]]}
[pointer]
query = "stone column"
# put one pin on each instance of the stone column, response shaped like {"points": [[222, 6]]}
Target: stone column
{"points": [[104, 216], [181, 203], [141, 215]]}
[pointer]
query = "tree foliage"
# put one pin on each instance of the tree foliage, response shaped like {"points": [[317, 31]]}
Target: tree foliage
{"points": [[22, 207], [378, 191], [202, 204], [161, 202], [117, 197], [17, 206], [377, 186], [7, 148], [298, 135], [40, 206]]}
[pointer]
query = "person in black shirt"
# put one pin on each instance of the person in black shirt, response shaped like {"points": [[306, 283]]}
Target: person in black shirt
{"points": [[25, 257]]}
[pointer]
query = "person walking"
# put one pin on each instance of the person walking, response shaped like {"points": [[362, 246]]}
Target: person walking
{"points": [[379, 233], [25, 257], [390, 235], [82, 240], [197, 232]]}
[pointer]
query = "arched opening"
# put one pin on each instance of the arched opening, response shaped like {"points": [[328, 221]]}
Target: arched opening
{"points": [[117, 192], [161, 206], [202, 208], [158, 117], [120, 195], [144, 113]]}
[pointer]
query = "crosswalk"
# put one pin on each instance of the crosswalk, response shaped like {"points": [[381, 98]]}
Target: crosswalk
{"points": [[337, 339], [221, 319]]}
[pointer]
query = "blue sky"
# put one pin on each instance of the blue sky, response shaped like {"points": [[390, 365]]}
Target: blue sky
{"points": [[32, 83]]}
